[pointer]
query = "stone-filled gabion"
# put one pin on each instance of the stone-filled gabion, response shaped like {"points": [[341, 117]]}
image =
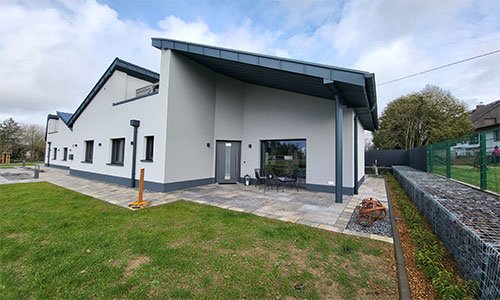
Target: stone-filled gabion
{"points": [[466, 220]]}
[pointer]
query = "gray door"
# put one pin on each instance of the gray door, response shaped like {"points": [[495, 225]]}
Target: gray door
{"points": [[227, 168]]}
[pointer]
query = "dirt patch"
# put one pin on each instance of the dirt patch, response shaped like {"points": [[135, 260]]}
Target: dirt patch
{"points": [[135, 263], [15, 235], [420, 286]]}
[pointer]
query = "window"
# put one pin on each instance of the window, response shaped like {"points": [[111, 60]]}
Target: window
{"points": [[65, 153], [496, 133], [55, 154], [89, 151], [148, 154], [287, 157], [117, 151]]}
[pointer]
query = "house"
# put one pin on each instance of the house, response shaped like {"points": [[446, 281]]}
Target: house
{"points": [[215, 115], [485, 118]]}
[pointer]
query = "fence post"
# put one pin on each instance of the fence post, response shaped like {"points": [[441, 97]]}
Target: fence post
{"points": [[448, 159], [484, 171], [430, 159]]}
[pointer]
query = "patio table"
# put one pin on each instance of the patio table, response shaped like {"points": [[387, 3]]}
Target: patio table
{"points": [[286, 180]]}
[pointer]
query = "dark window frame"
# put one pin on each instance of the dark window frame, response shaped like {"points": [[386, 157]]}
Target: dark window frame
{"points": [[65, 154], [117, 151], [149, 149], [302, 173], [89, 151], [54, 155]]}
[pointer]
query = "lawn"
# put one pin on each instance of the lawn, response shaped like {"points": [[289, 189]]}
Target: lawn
{"points": [[59, 244], [13, 165], [470, 174]]}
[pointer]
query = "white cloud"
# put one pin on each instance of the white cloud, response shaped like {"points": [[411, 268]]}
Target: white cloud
{"points": [[53, 53]]}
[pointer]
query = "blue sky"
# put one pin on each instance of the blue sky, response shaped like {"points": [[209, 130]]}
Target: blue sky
{"points": [[54, 51]]}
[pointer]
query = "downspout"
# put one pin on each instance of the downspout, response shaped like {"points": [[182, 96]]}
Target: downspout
{"points": [[338, 149], [48, 155], [356, 184], [135, 124]]}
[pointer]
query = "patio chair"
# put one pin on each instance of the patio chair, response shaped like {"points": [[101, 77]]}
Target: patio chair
{"points": [[259, 179]]}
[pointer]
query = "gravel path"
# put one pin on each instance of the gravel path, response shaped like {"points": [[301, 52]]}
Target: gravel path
{"points": [[380, 227]]}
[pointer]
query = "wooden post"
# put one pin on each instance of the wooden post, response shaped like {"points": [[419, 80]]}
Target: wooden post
{"points": [[141, 186]]}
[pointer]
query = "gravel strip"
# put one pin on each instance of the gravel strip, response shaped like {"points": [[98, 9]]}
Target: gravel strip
{"points": [[380, 227]]}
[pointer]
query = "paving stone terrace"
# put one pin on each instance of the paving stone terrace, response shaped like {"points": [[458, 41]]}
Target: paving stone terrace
{"points": [[303, 207]]}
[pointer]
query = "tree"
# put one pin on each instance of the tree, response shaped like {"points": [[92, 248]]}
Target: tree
{"points": [[10, 138], [426, 117], [33, 140]]}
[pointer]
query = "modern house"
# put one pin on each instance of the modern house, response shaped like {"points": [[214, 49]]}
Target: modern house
{"points": [[215, 115]]}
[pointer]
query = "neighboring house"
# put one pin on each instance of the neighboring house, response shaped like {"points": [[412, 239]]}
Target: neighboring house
{"points": [[215, 115], [485, 118]]}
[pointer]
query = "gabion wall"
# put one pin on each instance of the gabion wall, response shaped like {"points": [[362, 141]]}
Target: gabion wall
{"points": [[477, 255]]}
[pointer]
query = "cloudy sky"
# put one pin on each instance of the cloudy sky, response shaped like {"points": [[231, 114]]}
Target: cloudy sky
{"points": [[53, 52]]}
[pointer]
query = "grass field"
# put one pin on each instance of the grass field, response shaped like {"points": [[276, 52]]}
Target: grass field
{"points": [[59, 244], [471, 175], [12, 166]]}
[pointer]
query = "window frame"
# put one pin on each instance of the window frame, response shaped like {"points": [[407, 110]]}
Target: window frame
{"points": [[115, 152], [54, 155], [65, 154], [148, 157], [88, 158]]}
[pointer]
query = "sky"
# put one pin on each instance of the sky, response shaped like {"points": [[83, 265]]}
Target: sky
{"points": [[53, 52]]}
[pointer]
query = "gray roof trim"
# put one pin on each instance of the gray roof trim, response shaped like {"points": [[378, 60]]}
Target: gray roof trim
{"points": [[336, 78], [120, 65], [133, 99], [49, 116]]}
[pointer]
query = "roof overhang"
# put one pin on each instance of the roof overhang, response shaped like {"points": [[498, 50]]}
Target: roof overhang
{"points": [[120, 65], [355, 88]]}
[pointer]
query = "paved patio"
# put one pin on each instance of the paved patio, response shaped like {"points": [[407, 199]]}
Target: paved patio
{"points": [[303, 207]]}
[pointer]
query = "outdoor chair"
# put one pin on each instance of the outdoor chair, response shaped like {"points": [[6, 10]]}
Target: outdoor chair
{"points": [[259, 179]]}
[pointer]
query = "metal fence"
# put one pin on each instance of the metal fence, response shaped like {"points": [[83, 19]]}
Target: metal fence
{"points": [[415, 158], [473, 159]]}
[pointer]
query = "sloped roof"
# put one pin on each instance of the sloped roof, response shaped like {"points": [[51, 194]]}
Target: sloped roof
{"points": [[64, 116], [120, 65], [491, 110], [355, 88]]}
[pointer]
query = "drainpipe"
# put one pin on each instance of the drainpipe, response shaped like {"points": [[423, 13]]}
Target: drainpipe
{"points": [[48, 155], [338, 149], [356, 184], [135, 124]]}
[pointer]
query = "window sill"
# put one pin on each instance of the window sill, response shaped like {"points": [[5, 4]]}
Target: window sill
{"points": [[86, 162], [147, 160], [115, 164]]}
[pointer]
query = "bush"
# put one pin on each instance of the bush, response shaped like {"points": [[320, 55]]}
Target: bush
{"points": [[430, 252]]}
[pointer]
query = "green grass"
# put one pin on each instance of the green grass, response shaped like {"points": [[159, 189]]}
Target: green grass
{"points": [[470, 174], [58, 244], [13, 165]]}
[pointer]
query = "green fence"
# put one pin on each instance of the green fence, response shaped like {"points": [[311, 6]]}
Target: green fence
{"points": [[474, 159]]}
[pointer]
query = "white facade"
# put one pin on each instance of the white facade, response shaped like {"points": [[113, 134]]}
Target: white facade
{"points": [[194, 108]]}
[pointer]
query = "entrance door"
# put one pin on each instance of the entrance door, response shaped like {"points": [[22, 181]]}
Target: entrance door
{"points": [[227, 168]]}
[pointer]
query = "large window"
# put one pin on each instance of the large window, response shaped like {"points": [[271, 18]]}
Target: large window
{"points": [[284, 157], [117, 151], [148, 153], [89, 151]]}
